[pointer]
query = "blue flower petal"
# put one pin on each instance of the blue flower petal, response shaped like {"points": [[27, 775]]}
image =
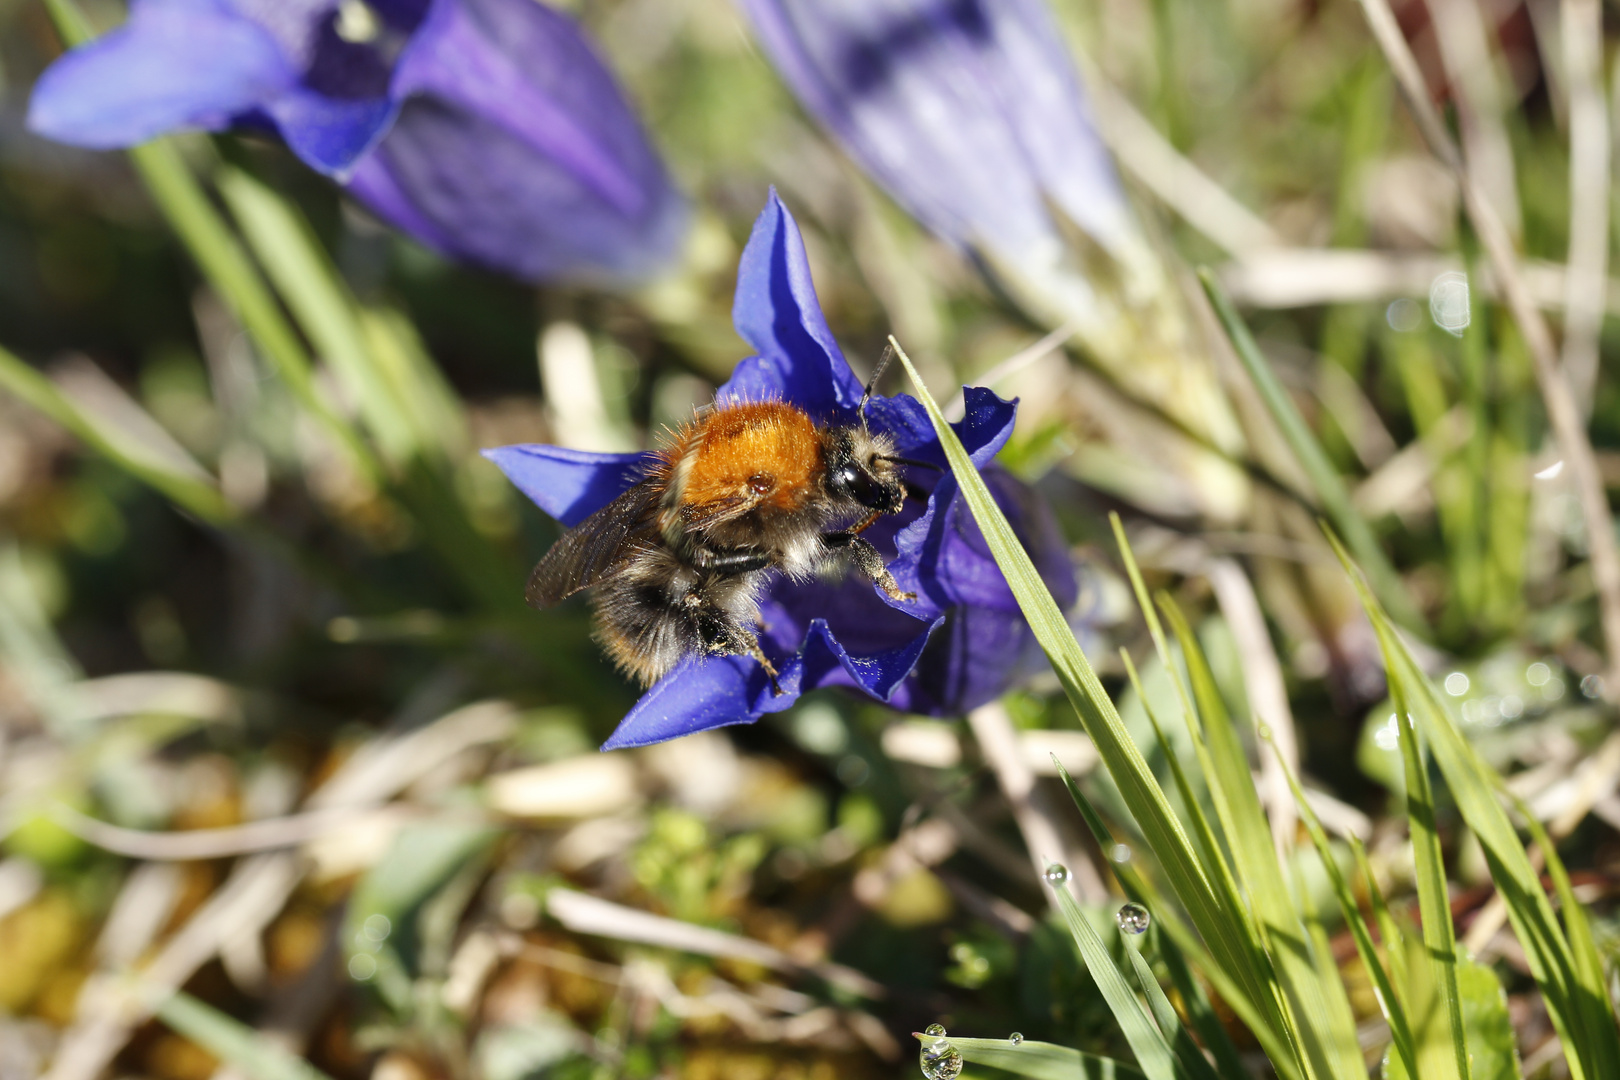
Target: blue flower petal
{"points": [[570, 485], [515, 149], [702, 694], [330, 134], [828, 663], [776, 312], [174, 64]]}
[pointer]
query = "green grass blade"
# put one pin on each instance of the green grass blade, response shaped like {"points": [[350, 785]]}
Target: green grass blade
{"points": [[1388, 1002], [1131, 774], [1193, 1061], [1040, 1060], [40, 393], [1394, 940], [1319, 1007], [233, 1042], [1491, 1044], [1439, 933], [1147, 1042], [1203, 831], [321, 302], [1588, 962], [1183, 941], [1330, 488], [1576, 1004], [218, 252], [1279, 998]]}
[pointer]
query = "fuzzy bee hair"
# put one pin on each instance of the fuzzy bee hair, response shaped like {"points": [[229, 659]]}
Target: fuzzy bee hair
{"points": [[741, 490]]}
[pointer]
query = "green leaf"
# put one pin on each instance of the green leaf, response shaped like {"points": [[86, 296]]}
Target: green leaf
{"points": [[233, 1042], [1039, 1060], [1192, 1059], [1491, 1046]]}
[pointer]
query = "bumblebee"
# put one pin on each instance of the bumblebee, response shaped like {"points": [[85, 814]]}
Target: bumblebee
{"points": [[743, 489]]}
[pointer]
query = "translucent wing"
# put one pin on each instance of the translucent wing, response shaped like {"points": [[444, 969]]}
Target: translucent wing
{"points": [[593, 549]]}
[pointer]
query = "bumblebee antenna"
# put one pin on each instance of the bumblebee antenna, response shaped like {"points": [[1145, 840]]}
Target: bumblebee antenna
{"points": [[871, 384]]}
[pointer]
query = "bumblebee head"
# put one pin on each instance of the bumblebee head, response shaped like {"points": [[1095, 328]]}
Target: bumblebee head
{"points": [[860, 469]]}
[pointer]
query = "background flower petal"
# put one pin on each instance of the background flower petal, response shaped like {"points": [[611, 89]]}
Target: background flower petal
{"points": [[570, 485], [174, 64], [966, 111], [776, 312], [514, 142]]}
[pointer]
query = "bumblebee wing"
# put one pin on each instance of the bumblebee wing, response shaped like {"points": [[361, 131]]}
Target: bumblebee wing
{"points": [[591, 550]]}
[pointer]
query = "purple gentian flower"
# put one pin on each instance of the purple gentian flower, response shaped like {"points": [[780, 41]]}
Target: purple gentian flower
{"points": [[963, 640], [968, 112], [488, 129]]}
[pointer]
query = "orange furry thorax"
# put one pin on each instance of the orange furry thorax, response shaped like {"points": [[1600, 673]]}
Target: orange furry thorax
{"points": [[765, 454]]}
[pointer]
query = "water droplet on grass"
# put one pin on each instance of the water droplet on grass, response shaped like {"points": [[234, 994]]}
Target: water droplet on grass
{"points": [[1057, 874], [1133, 919]]}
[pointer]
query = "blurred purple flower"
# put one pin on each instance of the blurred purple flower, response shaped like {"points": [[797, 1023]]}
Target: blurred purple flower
{"points": [[969, 112], [963, 640], [487, 129]]}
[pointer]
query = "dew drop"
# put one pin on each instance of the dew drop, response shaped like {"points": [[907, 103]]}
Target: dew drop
{"points": [[940, 1061], [1016, 1037], [936, 1030], [1133, 919], [1056, 874], [1120, 854]]}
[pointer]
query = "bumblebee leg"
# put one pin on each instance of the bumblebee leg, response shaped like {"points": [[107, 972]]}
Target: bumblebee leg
{"points": [[738, 561], [723, 637], [868, 562]]}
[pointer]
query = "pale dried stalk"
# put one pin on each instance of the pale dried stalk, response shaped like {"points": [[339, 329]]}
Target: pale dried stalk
{"points": [[1563, 414], [1477, 90], [586, 914], [993, 730], [1268, 696], [1586, 284], [258, 888]]}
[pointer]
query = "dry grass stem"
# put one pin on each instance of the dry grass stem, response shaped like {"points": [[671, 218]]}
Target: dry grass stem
{"points": [[998, 742], [1268, 695], [1563, 414], [1586, 284], [586, 914]]}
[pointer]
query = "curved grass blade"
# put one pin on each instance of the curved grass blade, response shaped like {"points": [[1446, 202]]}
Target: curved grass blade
{"points": [[191, 494], [1041, 1060], [1227, 941]]}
